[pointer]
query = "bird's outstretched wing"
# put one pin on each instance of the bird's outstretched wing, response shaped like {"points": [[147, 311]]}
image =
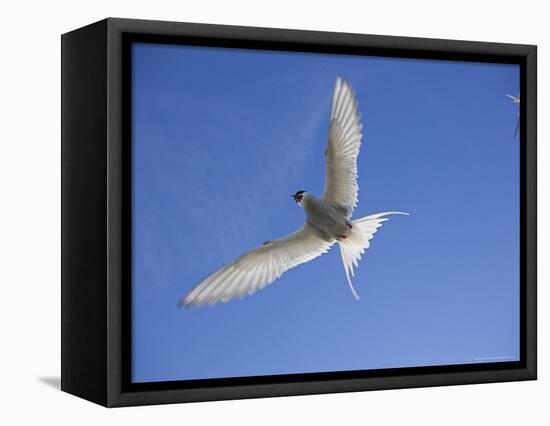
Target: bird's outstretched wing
{"points": [[258, 268], [344, 141]]}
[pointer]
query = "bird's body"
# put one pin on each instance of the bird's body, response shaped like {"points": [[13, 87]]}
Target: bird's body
{"points": [[331, 223], [328, 219]]}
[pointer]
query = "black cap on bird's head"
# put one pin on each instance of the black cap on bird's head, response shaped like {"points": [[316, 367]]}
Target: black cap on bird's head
{"points": [[298, 196]]}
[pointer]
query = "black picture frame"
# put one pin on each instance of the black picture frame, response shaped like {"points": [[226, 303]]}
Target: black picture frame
{"points": [[96, 225]]}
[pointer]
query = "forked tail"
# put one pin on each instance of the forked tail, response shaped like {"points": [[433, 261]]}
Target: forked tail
{"points": [[358, 240]]}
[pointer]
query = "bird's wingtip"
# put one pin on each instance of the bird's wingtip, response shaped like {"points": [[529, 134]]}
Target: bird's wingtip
{"points": [[341, 79], [183, 304]]}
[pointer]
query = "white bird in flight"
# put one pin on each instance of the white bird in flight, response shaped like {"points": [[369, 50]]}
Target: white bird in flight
{"points": [[328, 219], [515, 100]]}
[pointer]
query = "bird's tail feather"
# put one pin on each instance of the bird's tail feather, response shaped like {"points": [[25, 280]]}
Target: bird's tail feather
{"points": [[358, 240]]}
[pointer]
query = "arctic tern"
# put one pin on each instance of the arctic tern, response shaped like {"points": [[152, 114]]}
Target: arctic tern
{"points": [[328, 219], [515, 100]]}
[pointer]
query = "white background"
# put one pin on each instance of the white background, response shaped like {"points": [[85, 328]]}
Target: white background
{"points": [[30, 211]]}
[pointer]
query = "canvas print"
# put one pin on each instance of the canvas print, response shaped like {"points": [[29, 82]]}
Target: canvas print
{"points": [[302, 212]]}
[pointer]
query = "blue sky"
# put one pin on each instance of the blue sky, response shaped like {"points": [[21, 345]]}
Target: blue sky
{"points": [[222, 137]]}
